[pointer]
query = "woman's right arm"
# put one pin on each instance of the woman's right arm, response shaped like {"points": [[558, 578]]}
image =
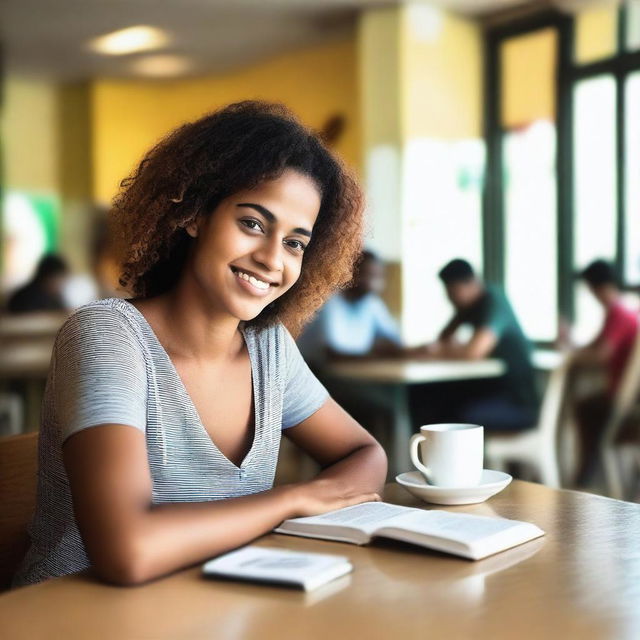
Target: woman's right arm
{"points": [[129, 540]]}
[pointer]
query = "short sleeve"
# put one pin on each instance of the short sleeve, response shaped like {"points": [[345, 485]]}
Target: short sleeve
{"points": [[493, 315], [99, 372], [386, 326], [312, 342], [304, 394]]}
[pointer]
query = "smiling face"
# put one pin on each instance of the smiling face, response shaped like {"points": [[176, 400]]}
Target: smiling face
{"points": [[249, 251]]}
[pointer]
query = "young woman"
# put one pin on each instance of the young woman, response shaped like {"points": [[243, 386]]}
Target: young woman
{"points": [[163, 414]]}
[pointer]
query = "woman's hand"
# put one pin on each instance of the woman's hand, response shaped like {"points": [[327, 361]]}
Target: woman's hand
{"points": [[325, 494], [354, 465]]}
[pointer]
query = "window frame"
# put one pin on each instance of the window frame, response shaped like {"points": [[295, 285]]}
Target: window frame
{"points": [[568, 74]]}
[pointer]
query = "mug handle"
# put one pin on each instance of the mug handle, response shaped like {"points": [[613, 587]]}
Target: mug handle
{"points": [[413, 450]]}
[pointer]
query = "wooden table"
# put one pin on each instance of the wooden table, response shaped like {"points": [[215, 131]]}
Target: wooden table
{"points": [[26, 341], [581, 580], [396, 375], [25, 326], [26, 360], [27, 363]]}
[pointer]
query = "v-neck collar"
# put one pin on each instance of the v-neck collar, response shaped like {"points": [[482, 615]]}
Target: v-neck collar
{"points": [[247, 336]]}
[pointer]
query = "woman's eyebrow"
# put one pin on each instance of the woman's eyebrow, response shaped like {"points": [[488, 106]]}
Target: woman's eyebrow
{"points": [[270, 217]]}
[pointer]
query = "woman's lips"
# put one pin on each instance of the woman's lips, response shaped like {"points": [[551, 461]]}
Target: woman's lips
{"points": [[251, 284]]}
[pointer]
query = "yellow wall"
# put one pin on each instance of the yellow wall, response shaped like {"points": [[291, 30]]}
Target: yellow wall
{"points": [[380, 76], [528, 78], [379, 37], [128, 117], [596, 32], [442, 74], [29, 135], [75, 174]]}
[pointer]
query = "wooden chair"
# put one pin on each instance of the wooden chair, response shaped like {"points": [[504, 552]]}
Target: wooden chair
{"points": [[11, 414], [18, 479], [622, 435], [536, 447]]}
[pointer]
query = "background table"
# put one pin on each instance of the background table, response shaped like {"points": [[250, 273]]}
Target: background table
{"points": [[581, 580], [25, 326], [26, 364], [26, 342], [395, 376]]}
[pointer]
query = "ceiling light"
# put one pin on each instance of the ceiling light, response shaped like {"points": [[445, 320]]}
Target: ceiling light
{"points": [[161, 66], [130, 40]]}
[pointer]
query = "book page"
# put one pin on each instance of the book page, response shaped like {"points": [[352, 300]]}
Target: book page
{"points": [[367, 516], [461, 527]]}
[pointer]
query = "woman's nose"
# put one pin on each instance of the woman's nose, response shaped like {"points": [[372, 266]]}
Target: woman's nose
{"points": [[269, 254]]}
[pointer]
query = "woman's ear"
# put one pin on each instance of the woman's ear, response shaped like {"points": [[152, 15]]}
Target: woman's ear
{"points": [[192, 228]]}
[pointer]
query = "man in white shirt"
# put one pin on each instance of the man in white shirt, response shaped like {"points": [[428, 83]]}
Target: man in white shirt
{"points": [[355, 322]]}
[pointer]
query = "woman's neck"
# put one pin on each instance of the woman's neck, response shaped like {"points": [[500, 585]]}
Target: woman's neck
{"points": [[188, 328]]}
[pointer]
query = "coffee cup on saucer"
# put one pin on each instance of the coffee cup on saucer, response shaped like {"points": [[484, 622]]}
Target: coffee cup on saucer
{"points": [[452, 454]]}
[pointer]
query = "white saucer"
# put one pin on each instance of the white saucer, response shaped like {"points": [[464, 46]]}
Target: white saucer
{"points": [[491, 483]]}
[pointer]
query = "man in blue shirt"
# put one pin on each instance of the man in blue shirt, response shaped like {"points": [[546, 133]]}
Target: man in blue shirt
{"points": [[355, 322]]}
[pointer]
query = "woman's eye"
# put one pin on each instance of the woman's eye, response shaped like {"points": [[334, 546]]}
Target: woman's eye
{"points": [[296, 245], [252, 224]]}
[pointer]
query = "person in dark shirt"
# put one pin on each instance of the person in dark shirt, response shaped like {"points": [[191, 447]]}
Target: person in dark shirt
{"points": [[44, 291], [509, 402]]}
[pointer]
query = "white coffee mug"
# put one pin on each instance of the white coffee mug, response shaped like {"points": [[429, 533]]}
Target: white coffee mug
{"points": [[452, 454]]}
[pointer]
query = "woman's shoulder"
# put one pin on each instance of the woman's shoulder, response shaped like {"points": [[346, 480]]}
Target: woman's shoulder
{"points": [[104, 319]]}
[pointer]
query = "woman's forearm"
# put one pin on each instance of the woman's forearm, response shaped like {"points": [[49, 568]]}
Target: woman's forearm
{"points": [[363, 470], [168, 537], [178, 535], [172, 536]]}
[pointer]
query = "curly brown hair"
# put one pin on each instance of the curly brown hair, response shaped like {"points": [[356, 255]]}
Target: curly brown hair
{"points": [[195, 167]]}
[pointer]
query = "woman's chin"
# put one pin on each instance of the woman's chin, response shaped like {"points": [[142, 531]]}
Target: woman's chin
{"points": [[246, 315]]}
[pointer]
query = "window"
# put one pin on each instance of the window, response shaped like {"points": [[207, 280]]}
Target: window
{"points": [[595, 206], [529, 193], [632, 183], [568, 151], [530, 227], [444, 184], [632, 37], [595, 33]]}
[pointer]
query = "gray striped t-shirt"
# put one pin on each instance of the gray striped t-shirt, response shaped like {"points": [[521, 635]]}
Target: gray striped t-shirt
{"points": [[108, 366]]}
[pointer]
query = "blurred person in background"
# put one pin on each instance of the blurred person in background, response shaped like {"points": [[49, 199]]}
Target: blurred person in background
{"points": [[104, 264], [45, 290], [610, 349], [506, 403], [354, 323]]}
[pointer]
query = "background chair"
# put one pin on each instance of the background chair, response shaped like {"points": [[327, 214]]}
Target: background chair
{"points": [[18, 479], [536, 447], [11, 414], [621, 432]]}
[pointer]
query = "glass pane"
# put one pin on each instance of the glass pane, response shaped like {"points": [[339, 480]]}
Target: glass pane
{"points": [[442, 199], [632, 172], [596, 33], [595, 169], [633, 25], [530, 228]]}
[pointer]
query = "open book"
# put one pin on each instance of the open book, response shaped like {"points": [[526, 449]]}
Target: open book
{"points": [[461, 534]]}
